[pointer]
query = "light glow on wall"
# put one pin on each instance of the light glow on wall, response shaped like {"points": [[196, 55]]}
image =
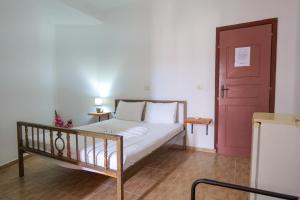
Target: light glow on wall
{"points": [[102, 88]]}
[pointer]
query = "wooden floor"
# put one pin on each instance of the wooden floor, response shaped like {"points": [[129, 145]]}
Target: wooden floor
{"points": [[168, 175]]}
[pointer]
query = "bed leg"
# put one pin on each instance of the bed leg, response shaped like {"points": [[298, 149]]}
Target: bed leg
{"points": [[20, 151], [184, 142], [21, 163], [120, 185], [120, 189]]}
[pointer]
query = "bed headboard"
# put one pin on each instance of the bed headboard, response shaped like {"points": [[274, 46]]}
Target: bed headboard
{"points": [[181, 113]]}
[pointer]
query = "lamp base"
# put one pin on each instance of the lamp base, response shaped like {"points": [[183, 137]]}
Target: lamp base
{"points": [[99, 110]]}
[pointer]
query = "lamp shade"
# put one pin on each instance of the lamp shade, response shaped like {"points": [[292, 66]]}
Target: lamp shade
{"points": [[98, 101]]}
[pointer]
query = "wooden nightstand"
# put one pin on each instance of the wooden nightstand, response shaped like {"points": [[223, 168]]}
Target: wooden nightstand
{"points": [[100, 115], [201, 121]]}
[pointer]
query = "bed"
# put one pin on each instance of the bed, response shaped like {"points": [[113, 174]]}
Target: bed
{"points": [[115, 147]]}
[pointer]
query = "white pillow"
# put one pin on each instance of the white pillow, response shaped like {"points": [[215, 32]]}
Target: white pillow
{"points": [[161, 113], [130, 111]]}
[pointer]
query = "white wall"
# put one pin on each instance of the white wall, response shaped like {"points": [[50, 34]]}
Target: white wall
{"points": [[111, 58], [27, 64], [27, 75], [169, 46], [297, 74]]}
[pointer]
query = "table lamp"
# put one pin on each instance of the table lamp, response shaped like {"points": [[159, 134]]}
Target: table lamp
{"points": [[98, 104]]}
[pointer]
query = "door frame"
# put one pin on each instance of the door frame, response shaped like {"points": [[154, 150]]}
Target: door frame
{"points": [[274, 23]]}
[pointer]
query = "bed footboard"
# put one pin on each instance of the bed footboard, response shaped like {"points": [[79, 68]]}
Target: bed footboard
{"points": [[61, 144]]}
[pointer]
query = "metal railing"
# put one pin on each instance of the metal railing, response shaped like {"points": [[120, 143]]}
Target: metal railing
{"points": [[239, 188]]}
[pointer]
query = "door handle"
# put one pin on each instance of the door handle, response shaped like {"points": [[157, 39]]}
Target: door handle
{"points": [[222, 90]]}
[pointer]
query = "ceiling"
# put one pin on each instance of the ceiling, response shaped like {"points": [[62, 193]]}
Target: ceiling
{"points": [[57, 12], [95, 8]]}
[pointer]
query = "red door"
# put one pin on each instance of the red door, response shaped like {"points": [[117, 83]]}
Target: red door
{"points": [[244, 85]]}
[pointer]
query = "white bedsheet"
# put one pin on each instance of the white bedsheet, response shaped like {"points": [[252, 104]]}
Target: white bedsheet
{"points": [[139, 140]]}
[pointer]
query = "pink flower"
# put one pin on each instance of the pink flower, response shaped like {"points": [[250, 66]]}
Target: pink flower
{"points": [[59, 122], [69, 124]]}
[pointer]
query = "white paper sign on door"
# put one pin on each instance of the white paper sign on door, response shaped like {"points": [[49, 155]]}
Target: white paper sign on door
{"points": [[242, 57]]}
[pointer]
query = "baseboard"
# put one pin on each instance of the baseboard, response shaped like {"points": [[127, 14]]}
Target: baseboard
{"points": [[14, 162], [201, 149], [189, 148]]}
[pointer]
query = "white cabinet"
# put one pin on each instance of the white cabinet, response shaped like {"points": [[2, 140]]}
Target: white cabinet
{"points": [[275, 160]]}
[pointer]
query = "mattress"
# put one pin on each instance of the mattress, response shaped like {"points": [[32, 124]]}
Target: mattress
{"points": [[139, 140]]}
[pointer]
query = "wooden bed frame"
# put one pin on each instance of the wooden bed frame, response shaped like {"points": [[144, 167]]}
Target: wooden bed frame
{"points": [[57, 146]]}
